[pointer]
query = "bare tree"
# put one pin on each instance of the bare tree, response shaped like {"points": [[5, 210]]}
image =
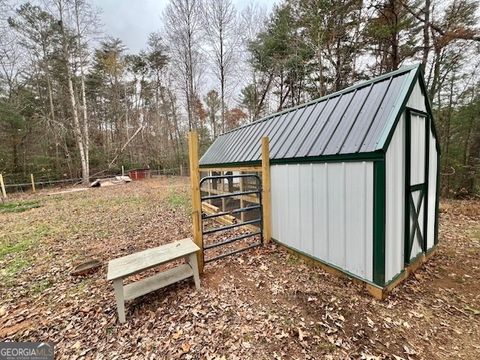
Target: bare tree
{"points": [[183, 28], [220, 25], [80, 8], [66, 56]]}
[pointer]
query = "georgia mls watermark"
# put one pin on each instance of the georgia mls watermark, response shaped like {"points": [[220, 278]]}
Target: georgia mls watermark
{"points": [[26, 351]]}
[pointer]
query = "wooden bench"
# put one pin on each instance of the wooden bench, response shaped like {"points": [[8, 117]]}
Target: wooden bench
{"points": [[119, 269]]}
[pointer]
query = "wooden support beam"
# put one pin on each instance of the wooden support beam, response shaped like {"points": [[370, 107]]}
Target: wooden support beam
{"points": [[2, 186], [249, 198], [223, 191], [196, 202], [242, 201], [267, 210], [33, 182], [225, 219]]}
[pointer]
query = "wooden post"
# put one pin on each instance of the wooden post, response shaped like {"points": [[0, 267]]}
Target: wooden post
{"points": [[242, 202], [2, 185], [33, 182], [123, 171], [196, 202], [181, 170], [209, 187], [267, 210]]}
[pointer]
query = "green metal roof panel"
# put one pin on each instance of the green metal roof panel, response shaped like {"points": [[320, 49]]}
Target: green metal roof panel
{"points": [[355, 120]]}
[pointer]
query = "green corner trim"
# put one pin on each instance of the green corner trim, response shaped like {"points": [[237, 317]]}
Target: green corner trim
{"points": [[379, 219], [437, 199]]}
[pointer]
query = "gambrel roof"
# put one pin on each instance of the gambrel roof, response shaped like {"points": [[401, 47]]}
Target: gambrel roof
{"points": [[356, 120]]}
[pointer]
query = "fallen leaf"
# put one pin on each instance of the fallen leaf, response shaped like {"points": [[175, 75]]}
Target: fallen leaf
{"points": [[186, 347]]}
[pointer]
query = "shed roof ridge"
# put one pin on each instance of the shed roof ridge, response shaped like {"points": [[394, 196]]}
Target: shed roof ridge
{"points": [[403, 69]]}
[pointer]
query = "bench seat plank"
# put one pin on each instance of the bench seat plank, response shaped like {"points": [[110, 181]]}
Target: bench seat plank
{"points": [[155, 282], [143, 260]]}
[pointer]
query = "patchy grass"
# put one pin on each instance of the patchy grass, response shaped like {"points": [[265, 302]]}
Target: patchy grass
{"points": [[21, 241], [18, 207], [259, 304], [13, 268], [178, 200], [6, 249], [41, 286]]}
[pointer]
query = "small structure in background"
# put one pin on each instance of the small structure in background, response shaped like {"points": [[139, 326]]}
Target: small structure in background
{"points": [[139, 174], [353, 177]]}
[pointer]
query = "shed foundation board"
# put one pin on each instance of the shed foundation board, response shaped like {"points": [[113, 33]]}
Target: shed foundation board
{"points": [[376, 291]]}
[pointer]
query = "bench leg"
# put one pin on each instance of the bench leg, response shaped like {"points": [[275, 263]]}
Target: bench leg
{"points": [[192, 260], [118, 286]]}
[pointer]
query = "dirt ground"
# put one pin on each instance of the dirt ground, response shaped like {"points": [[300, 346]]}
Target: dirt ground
{"points": [[261, 304]]}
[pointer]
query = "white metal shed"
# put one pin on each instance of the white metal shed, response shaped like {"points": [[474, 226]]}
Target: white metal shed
{"points": [[354, 175]]}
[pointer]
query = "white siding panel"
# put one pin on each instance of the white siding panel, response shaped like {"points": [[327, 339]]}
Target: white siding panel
{"points": [[358, 187], [417, 168], [306, 209], [293, 230], [275, 200], [417, 100], [395, 199], [432, 188], [320, 210], [326, 210], [336, 210]]}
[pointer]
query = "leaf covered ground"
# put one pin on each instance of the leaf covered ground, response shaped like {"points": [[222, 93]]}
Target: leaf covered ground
{"points": [[262, 304]]}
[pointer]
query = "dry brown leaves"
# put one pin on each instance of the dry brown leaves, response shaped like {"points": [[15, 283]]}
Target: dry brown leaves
{"points": [[262, 304]]}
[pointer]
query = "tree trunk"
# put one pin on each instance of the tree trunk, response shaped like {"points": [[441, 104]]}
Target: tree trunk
{"points": [[84, 99], [426, 34], [76, 123]]}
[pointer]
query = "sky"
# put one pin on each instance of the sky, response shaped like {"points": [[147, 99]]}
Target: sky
{"points": [[133, 20]]}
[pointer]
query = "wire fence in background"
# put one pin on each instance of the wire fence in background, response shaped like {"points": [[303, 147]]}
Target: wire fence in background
{"points": [[20, 182]]}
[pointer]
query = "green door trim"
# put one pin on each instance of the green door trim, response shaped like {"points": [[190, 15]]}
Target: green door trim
{"points": [[410, 206]]}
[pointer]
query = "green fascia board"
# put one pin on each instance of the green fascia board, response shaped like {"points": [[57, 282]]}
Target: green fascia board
{"points": [[398, 110], [370, 156], [379, 222], [429, 110]]}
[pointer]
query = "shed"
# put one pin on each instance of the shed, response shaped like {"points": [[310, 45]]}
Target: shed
{"points": [[354, 176], [139, 174]]}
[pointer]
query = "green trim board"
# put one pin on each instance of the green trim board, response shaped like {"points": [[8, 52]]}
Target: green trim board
{"points": [[427, 173], [437, 200], [379, 219], [396, 114], [371, 156], [406, 253]]}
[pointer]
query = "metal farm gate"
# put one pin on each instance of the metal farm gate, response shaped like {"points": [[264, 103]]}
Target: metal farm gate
{"points": [[231, 193]]}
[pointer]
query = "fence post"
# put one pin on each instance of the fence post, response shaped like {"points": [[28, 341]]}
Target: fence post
{"points": [[267, 211], [123, 171], [181, 170], [2, 185], [33, 182], [196, 201]]}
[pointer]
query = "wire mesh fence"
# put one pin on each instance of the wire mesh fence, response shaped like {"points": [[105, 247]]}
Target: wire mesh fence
{"points": [[22, 182]]}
